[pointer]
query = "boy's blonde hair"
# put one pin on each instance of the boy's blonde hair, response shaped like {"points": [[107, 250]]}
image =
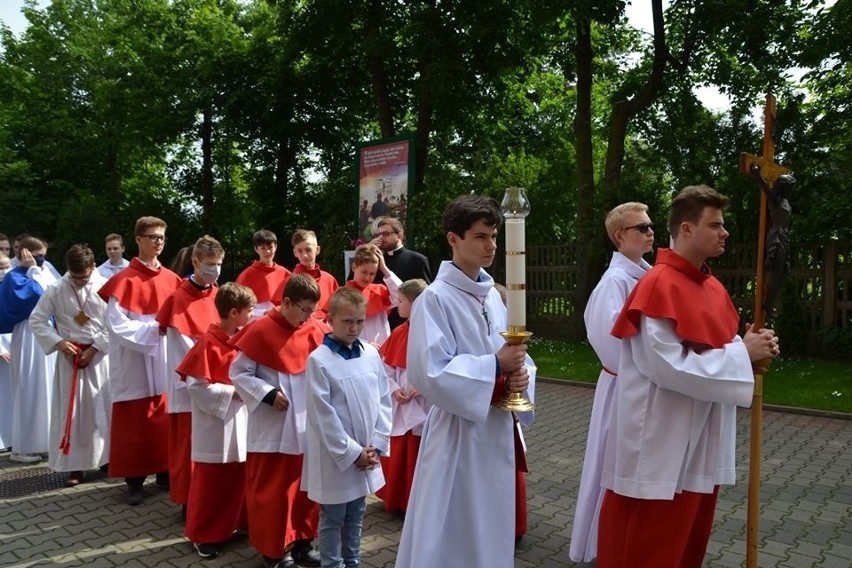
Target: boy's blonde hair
{"points": [[346, 295], [412, 288], [207, 246], [301, 287], [615, 219], [233, 296], [366, 254], [302, 235]]}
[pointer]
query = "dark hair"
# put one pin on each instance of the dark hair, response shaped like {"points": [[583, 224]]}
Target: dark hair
{"points": [[78, 258], [31, 244], [264, 237], [231, 295], [302, 287], [392, 222], [182, 262], [689, 204], [463, 211]]}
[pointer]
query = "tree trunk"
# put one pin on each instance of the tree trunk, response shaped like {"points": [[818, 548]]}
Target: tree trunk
{"points": [[207, 170], [586, 221], [375, 62]]}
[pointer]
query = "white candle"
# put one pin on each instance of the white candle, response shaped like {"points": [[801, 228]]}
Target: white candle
{"points": [[516, 272]]}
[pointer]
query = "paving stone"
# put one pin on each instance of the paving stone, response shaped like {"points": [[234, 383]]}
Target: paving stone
{"points": [[806, 505]]}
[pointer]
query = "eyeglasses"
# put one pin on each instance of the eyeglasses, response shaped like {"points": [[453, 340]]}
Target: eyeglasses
{"points": [[305, 311], [385, 234], [82, 278], [155, 238], [641, 227]]}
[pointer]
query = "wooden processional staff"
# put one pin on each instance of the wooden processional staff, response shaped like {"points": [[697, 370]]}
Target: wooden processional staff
{"points": [[776, 183]]}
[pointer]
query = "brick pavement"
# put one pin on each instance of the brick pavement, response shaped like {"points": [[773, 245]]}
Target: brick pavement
{"points": [[806, 504]]}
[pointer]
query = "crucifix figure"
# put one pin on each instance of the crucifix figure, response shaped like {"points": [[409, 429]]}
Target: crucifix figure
{"points": [[773, 248]]}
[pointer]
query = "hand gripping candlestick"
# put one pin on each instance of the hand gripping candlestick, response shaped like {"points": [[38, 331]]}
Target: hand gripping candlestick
{"points": [[515, 207]]}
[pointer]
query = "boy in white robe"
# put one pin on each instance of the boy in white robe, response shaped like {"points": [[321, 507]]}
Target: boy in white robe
{"points": [[5, 370], [216, 506], [31, 370], [115, 262], [681, 373], [81, 403], [349, 425], [631, 231], [462, 504]]}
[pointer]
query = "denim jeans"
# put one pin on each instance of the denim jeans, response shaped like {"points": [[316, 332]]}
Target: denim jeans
{"points": [[340, 533]]}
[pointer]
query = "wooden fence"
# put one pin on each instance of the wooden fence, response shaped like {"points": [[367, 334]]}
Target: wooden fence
{"points": [[819, 284]]}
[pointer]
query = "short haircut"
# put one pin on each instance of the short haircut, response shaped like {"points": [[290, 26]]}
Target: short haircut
{"points": [[114, 237], [301, 287], [394, 223], [346, 295], [463, 211], [302, 235], [3, 237], [79, 258], [207, 246], [412, 288], [689, 204], [366, 254], [264, 237], [233, 296], [145, 223], [615, 218], [31, 244]]}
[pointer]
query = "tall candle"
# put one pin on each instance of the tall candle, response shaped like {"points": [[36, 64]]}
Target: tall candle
{"points": [[516, 301]]}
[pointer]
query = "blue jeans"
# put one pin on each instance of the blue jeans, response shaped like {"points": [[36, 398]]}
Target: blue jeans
{"points": [[340, 533]]}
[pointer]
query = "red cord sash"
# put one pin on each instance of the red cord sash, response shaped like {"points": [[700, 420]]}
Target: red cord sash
{"points": [[65, 444]]}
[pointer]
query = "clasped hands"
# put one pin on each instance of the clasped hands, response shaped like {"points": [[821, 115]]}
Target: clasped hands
{"points": [[511, 359], [86, 355], [761, 344], [368, 459]]}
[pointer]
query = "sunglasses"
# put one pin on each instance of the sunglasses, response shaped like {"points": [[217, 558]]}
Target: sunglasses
{"points": [[641, 227]]}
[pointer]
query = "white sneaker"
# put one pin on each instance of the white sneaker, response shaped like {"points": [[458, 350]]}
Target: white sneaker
{"points": [[25, 458]]}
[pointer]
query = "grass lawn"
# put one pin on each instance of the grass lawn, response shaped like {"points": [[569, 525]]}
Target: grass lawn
{"points": [[806, 383]]}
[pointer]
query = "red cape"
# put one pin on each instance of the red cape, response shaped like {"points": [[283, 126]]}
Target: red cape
{"points": [[378, 297], [264, 280], [210, 358], [189, 310], [139, 288], [693, 299], [326, 282], [272, 342], [394, 349]]}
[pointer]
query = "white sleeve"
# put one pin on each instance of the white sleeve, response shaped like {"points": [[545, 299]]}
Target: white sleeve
{"points": [[210, 398], [142, 336], [251, 388], [39, 321]]}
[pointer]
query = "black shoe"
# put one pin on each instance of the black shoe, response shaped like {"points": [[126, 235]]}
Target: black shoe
{"points": [[135, 495], [206, 550], [162, 480], [287, 562], [304, 554]]}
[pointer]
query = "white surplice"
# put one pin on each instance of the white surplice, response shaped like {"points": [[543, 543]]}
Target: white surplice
{"points": [[411, 415], [461, 512], [89, 442], [349, 408], [377, 327], [6, 401], [32, 373], [218, 422], [270, 430], [108, 269], [137, 354], [673, 426], [603, 308], [177, 346]]}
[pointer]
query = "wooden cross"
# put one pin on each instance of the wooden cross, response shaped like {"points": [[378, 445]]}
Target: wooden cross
{"points": [[767, 171]]}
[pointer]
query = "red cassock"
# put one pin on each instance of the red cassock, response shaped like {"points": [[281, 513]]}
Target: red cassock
{"points": [[139, 428], [326, 282], [216, 501], [377, 295], [264, 280], [191, 311], [278, 511]]}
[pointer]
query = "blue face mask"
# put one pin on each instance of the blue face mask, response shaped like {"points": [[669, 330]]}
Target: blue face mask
{"points": [[39, 258]]}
